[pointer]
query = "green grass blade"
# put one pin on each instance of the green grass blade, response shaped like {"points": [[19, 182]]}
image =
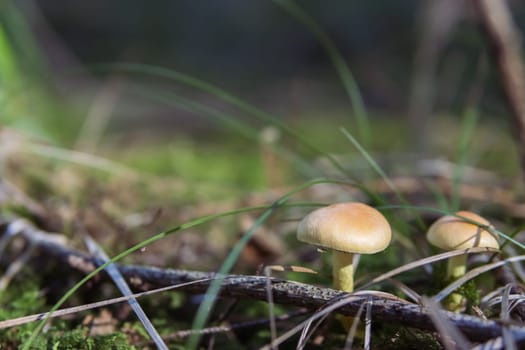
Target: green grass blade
{"points": [[213, 290], [469, 123], [373, 163], [173, 99], [347, 79], [72, 290], [389, 183], [9, 76], [223, 95], [33, 95], [24, 46], [441, 198], [508, 238], [512, 235], [187, 225], [242, 128], [234, 101], [470, 120]]}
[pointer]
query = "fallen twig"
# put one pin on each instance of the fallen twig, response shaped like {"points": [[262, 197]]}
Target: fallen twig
{"points": [[387, 308]]}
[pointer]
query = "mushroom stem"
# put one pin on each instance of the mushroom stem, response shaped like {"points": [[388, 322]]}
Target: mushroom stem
{"points": [[343, 271], [343, 279], [456, 267]]}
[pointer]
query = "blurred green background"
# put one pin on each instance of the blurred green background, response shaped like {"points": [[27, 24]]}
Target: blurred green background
{"points": [[415, 64]]}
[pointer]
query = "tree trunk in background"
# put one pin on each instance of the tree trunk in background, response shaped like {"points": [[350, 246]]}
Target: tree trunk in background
{"points": [[505, 41]]}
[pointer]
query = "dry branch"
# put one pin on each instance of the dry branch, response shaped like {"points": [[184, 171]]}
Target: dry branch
{"points": [[386, 308]]}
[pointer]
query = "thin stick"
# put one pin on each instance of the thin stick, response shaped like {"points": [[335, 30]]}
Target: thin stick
{"points": [[387, 308], [76, 309]]}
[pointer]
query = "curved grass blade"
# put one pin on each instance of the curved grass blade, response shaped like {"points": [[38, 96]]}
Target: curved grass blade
{"points": [[470, 120], [490, 229], [72, 290], [184, 226], [339, 63], [174, 99], [8, 67], [22, 36], [98, 304], [439, 196], [317, 315], [211, 295], [77, 157], [387, 180], [467, 130], [472, 274], [373, 164], [213, 90], [424, 261], [231, 122], [512, 234], [234, 101]]}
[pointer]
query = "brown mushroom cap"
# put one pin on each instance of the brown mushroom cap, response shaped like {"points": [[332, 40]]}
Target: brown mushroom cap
{"points": [[346, 227], [451, 232]]}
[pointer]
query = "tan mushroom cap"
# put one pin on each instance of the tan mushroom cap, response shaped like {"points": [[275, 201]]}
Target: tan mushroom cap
{"points": [[450, 232], [346, 227]]}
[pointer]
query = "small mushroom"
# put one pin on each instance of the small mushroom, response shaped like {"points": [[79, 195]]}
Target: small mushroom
{"points": [[453, 232], [346, 229]]}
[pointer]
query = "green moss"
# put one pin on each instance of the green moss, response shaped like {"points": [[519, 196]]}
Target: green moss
{"points": [[78, 338], [22, 299], [198, 162]]}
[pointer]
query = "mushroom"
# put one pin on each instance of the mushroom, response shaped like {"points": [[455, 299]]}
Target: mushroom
{"points": [[454, 232], [347, 229]]}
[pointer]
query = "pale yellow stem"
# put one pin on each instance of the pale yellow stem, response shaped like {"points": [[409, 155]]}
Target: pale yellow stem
{"points": [[456, 267], [343, 279], [343, 271]]}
